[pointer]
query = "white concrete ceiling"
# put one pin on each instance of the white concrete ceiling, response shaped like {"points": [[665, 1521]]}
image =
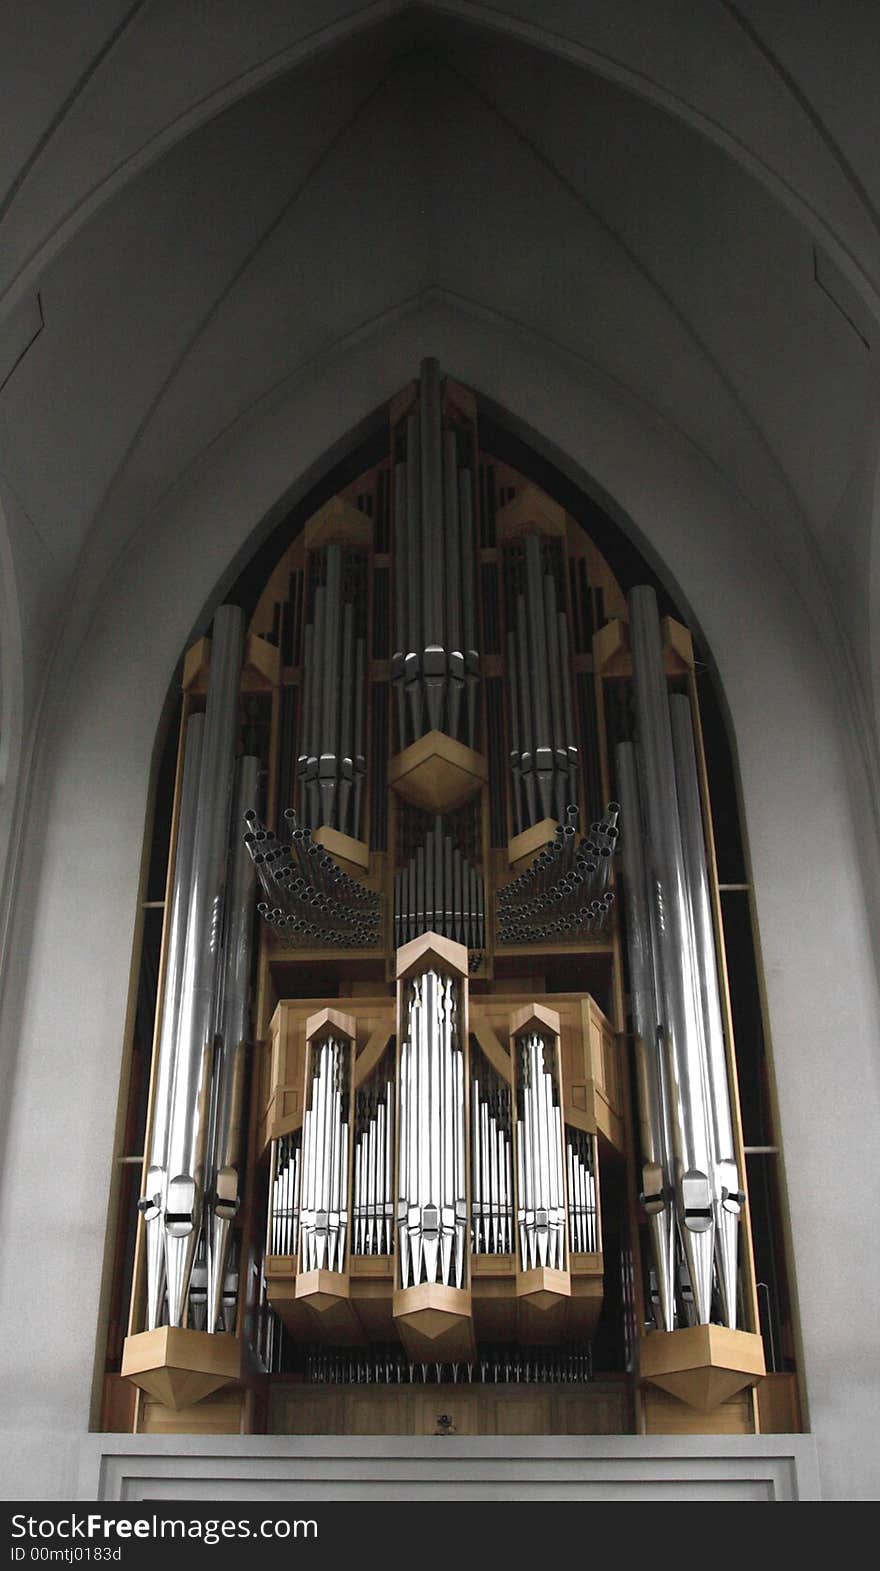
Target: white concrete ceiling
{"points": [[200, 200]]}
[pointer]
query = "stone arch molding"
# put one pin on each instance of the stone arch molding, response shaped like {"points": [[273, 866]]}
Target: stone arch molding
{"points": [[93, 773], [731, 87]]}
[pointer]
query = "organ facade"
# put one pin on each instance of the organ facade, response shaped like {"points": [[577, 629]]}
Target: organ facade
{"points": [[442, 1130]]}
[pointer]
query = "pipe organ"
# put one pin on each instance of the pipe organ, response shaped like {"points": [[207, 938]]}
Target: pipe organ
{"points": [[443, 1076]]}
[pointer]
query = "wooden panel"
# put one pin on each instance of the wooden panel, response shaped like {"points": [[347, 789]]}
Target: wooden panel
{"points": [[666, 1415], [521, 1413], [778, 1405], [219, 1414], [599, 1408], [437, 773], [283, 1086], [118, 1405]]}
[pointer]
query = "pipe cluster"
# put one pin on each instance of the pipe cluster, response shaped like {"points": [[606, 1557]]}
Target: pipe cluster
{"points": [[192, 1184], [373, 1198], [439, 891], [199, 1286], [435, 666], [491, 1162], [284, 1184], [691, 1186], [564, 890], [540, 1178], [432, 1185], [544, 754], [309, 899], [583, 1215], [323, 1217], [496, 1364], [331, 764]]}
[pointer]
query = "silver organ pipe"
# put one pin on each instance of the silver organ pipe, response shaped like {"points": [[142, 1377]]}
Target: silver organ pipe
{"points": [[540, 1175], [323, 1211], [491, 1161], [201, 967], [284, 1195], [223, 1187], [435, 656], [373, 1178], [432, 1185], [651, 1095], [152, 1206], [440, 891], [727, 1197], [583, 1211], [680, 1027]]}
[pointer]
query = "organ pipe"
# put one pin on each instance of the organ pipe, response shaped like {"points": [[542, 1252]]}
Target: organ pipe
{"points": [[323, 1211], [223, 1186], [653, 1106], [331, 763], [544, 755], [431, 1179], [680, 1026], [194, 1046], [373, 1178], [491, 1161], [541, 1219], [439, 890], [727, 1194], [435, 667], [152, 1206]]}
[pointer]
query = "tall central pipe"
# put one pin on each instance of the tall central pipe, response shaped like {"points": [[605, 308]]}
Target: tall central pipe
{"points": [[431, 1203]]}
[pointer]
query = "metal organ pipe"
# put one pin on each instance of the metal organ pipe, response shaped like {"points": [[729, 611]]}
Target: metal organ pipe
{"points": [[223, 1182], [435, 624], [331, 763], [323, 1219], [681, 1018], [544, 756], [540, 1211], [373, 1196], [152, 1206], [656, 1143], [728, 1197], [194, 1046], [431, 1197]]}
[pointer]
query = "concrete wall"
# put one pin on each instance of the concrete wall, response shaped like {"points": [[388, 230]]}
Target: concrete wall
{"points": [[65, 1002]]}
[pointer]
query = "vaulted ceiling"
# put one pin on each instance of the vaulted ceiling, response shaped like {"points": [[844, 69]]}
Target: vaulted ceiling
{"points": [[197, 201]]}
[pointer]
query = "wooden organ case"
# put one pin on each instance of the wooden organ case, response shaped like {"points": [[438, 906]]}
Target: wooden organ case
{"points": [[443, 1131]]}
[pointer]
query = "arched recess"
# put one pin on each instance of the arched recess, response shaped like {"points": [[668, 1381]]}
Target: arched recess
{"points": [[92, 788]]}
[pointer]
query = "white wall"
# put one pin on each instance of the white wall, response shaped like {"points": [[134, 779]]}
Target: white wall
{"points": [[65, 1002]]}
